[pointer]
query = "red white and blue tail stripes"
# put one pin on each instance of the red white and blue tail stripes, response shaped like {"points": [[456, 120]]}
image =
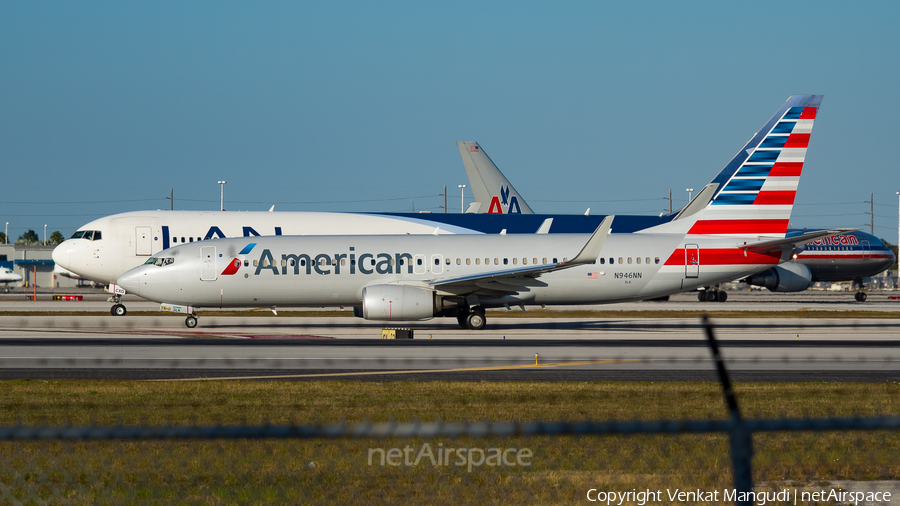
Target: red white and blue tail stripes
{"points": [[757, 189]]}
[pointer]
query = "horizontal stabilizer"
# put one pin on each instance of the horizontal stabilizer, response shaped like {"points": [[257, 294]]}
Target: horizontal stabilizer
{"points": [[789, 243]]}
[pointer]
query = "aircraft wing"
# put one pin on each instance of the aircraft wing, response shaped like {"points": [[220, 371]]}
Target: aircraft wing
{"points": [[513, 280], [789, 243]]}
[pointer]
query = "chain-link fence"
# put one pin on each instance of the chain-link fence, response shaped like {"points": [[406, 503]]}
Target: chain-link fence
{"points": [[450, 442]]}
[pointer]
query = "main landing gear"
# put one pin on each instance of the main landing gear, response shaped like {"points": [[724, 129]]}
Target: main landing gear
{"points": [[861, 294], [472, 318], [712, 295]]}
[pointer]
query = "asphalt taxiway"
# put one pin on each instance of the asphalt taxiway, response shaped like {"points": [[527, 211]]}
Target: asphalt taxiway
{"points": [[567, 349]]}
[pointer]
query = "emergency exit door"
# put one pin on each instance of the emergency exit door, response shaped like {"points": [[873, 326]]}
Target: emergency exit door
{"points": [[691, 261], [208, 263]]}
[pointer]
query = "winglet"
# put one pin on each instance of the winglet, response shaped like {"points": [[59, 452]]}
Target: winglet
{"points": [[545, 226], [591, 249]]}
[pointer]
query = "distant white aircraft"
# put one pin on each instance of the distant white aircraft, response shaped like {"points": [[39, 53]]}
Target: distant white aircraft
{"points": [[7, 276]]}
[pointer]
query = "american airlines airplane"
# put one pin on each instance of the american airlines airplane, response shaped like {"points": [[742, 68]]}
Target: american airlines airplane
{"points": [[846, 257], [107, 247], [735, 227], [7, 276]]}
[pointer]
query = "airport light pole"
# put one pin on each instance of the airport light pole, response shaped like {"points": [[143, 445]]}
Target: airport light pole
{"points": [[462, 198], [690, 194], [222, 196], [45, 233], [6, 232]]}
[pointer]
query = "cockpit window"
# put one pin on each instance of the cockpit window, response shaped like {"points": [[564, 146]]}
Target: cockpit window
{"points": [[90, 235], [159, 262]]}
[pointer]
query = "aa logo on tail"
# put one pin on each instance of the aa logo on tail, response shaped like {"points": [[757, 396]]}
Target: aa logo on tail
{"points": [[511, 204]]}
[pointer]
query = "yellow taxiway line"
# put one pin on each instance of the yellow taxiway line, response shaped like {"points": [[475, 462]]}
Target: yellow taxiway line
{"points": [[417, 371]]}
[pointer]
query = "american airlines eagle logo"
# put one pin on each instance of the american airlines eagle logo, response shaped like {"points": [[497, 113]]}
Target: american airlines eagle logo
{"points": [[511, 203]]}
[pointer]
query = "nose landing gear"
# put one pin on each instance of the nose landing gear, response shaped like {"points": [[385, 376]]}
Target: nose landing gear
{"points": [[191, 321], [118, 310]]}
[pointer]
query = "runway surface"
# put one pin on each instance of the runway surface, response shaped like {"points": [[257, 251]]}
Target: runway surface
{"points": [[568, 349]]}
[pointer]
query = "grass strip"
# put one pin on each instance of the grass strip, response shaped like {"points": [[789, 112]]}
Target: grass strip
{"points": [[561, 469]]}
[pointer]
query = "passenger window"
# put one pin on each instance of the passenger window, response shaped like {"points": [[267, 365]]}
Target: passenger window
{"points": [[256, 263], [447, 261], [602, 261], [544, 261], [182, 239], [554, 261], [647, 261], [621, 260], [487, 261], [505, 261], [496, 261], [458, 261], [638, 259], [334, 261], [468, 261], [302, 263], [657, 259], [418, 261], [565, 259], [437, 261], [629, 260], [247, 263], [524, 261], [344, 261], [283, 262]]}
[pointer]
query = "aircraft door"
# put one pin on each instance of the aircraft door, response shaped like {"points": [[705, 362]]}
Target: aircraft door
{"points": [[867, 250], [208, 263], [143, 241], [691, 261], [437, 264], [419, 264]]}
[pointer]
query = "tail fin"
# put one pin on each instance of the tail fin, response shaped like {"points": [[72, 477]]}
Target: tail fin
{"points": [[755, 191], [489, 186]]}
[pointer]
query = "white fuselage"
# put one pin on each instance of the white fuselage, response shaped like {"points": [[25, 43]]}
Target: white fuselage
{"points": [[128, 239], [284, 271]]}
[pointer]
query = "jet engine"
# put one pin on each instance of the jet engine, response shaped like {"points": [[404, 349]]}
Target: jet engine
{"points": [[788, 277], [397, 302]]}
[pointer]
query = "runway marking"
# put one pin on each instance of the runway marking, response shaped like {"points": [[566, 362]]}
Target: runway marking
{"points": [[418, 371]]}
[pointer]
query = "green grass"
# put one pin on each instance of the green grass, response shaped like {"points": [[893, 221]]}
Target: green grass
{"points": [[278, 471]]}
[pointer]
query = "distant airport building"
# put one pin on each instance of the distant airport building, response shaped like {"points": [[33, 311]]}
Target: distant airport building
{"points": [[35, 265]]}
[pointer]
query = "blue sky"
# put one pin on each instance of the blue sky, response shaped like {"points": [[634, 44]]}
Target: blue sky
{"points": [[358, 106]]}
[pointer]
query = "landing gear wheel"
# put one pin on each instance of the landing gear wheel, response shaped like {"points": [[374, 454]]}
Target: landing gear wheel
{"points": [[701, 296], [861, 296], [118, 310], [476, 320], [190, 322], [461, 318], [721, 296]]}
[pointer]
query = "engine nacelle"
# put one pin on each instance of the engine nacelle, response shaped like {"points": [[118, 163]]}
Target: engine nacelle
{"points": [[397, 303], [788, 277]]}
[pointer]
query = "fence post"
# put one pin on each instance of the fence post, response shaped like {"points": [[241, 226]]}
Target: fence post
{"points": [[741, 438]]}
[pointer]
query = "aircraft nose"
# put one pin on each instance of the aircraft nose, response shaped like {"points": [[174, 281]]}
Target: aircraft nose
{"points": [[130, 281], [62, 254]]}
